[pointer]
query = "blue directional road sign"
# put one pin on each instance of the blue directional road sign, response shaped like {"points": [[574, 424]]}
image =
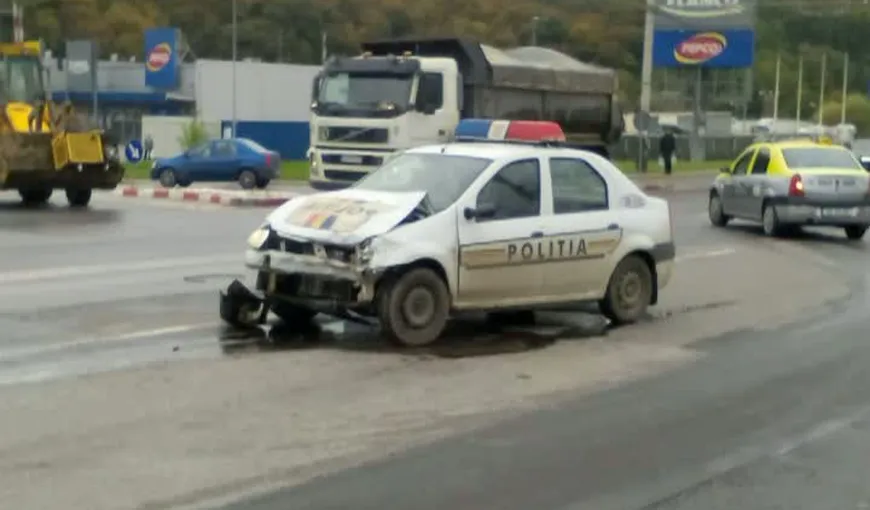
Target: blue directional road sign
{"points": [[134, 151]]}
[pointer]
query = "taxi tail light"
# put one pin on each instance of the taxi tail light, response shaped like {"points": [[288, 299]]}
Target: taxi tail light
{"points": [[796, 186]]}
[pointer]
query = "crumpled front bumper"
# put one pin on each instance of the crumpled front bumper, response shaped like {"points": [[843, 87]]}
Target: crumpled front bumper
{"points": [[276, 263]]}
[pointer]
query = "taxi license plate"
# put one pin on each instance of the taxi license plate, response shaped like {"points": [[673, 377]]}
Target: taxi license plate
{"points": [[352, 160], [839, 211]]}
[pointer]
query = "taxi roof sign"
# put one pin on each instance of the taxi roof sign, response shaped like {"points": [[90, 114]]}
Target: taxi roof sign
{"points": [[509, 131]]}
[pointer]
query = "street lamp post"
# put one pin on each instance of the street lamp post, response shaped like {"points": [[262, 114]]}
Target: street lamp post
{"points": [[235, 58]]}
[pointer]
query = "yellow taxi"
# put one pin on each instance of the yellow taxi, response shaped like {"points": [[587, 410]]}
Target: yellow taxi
{"points": [[791, 183]]}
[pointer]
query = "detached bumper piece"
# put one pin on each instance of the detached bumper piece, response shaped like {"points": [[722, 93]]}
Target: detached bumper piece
{"points": [[242, 307]]}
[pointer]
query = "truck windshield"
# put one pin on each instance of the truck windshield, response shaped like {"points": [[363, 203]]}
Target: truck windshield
{"points": [[443, 177], [366, 91], [20, 79]]}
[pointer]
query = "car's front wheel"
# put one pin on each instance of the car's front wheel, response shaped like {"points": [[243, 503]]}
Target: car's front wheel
{"points": [[167, 178], [855, 232], [414, 308], [716, 211], [629, 292]]}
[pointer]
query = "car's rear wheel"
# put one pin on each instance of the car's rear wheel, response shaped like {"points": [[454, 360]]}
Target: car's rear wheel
{"points": [[78, 197], [629, 292], [414, 308], [855, 232], [35, 196], [770, 222], [716, 212], [167, 178], [247, 179]]}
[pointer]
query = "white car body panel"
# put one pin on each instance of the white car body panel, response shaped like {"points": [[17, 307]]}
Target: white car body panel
{"points": [[545, 259]]}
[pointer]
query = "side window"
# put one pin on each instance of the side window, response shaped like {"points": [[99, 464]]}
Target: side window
{"points": [[203, 151], [762, 160], [514, 192], [224, 149], [431, 90], [742, 165], [577, 187]]}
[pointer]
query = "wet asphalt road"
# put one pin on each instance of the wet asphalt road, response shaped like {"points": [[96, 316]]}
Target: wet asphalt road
{"points": [[770, 419], [764, 420]]}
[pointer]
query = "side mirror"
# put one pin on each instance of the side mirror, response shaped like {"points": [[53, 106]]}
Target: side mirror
{"points": [[724, 170], [482, 212]]}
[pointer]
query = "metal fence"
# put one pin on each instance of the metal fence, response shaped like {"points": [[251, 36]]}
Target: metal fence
{"points": [[717, 147]]}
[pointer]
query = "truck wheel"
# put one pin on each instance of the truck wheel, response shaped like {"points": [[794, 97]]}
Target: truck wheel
{"points": [[167, 178], [629, 291], [413, 309], [247, 179], [78, 197], [292, 314], [855, 232], [36, 196]]}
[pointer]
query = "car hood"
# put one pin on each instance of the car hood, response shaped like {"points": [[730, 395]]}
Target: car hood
{"points": [[345, 217]]}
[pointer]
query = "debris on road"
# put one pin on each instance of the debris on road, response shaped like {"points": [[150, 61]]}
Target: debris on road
{"points": [[211, 196]]}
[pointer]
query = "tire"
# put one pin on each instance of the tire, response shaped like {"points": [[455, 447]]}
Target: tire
{"points": [[38, 196], [185, 184], [78, 197], [855, 232], [396, 300], [167, 178], [770, 222], [292, 314], [263, 183], [715, 211], [629, 292], [247, 179]]}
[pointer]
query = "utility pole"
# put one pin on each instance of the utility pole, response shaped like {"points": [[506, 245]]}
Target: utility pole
{"points": [[535, 30], [822, 88], [235, 58], [646, 83], [845, 88]]}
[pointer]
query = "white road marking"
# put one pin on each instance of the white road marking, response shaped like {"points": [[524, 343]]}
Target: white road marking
{"points": [[705, 254], [133, 335], [33, 275]]}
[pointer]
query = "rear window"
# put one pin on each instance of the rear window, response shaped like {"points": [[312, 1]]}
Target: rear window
{"points": [[254, 146], [820, 157]]}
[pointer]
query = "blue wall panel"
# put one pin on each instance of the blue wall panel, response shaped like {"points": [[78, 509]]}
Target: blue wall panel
{"points": [[290, 139]]}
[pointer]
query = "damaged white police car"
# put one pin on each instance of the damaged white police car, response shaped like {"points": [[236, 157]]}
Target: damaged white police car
{"points": [[491, 225]]}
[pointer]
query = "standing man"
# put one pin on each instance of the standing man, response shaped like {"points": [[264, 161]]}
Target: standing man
{"points": [[148, 146], [667, 147]]}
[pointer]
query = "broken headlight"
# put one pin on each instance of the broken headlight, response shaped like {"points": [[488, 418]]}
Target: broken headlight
{"points": [[364, 251], [258, 238]]}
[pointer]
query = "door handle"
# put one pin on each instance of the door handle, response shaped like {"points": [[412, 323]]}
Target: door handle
{"points": [[613, 226], [536, 234]]}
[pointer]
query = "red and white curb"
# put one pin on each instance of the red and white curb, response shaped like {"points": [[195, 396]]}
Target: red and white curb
{"points": [[210, 196]]}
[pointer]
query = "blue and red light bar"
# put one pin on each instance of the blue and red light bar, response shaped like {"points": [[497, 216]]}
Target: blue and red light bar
{"points": [[509, 130]]}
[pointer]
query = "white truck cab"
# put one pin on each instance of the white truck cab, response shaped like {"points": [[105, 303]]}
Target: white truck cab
{"points": [[476, 224], [407, 93]]}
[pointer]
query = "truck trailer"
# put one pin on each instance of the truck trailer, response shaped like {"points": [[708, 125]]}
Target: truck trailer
{"points": [[404, 93]]}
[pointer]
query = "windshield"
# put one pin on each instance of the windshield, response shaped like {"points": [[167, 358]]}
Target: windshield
{"points": [[254, 146], [380, 91], [443, 177], [820, 157], [20, 79]]}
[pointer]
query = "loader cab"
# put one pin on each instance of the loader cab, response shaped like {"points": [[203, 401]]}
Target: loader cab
{"points": [[21, 79]]}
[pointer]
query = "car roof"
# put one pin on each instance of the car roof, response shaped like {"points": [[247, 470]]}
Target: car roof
{"points": [[498, 151], [795, 144]]}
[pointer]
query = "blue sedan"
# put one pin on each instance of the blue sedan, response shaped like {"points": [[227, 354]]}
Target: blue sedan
{"points": [[236, 159]]}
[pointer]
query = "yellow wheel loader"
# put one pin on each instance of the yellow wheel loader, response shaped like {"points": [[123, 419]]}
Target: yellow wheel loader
{"points": [[45, 146]]}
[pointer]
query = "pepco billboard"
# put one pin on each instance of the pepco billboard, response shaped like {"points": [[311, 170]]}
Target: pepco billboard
{"points": [[704, 14], [704, 48]]}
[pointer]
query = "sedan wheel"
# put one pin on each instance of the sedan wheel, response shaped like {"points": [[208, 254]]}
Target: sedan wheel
{"points": [[168, 178], [770, 222]]}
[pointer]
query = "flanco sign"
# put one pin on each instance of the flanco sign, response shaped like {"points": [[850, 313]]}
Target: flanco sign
{"points": [[705, 14]]}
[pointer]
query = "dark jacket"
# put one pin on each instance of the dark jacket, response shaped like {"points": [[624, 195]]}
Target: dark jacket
{"points": [[668, 144]]}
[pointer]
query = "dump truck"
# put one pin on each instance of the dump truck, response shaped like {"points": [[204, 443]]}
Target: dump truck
{"points": [[403, 93], [46, 146]]}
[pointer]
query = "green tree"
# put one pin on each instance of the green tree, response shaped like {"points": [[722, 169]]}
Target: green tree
{"points": [[193, 134], [857, 112]]}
